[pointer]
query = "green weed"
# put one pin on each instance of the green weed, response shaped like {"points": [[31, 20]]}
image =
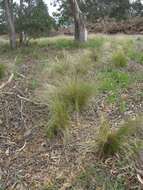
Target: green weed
{"points": [[95, 43], [114, 80], [34, 84], [97, 176], [136, 55], [64, 43]]}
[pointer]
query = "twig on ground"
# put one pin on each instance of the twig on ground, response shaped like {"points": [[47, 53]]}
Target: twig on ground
{"points": [[19, 150], [28, 100], [21, 75], [6, 93], [4, 137], [7, 82], [140, 179]]}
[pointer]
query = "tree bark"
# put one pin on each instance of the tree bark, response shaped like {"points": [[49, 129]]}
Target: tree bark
{"points": [[79, 22], [10, 22], [21, 36]]}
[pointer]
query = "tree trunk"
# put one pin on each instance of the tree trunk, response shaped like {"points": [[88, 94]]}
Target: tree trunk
{"points": [[79, 21], [21, 36], [10, 22]]}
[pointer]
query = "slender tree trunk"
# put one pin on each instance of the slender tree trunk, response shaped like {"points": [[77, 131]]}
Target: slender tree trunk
{"points": [[79, 21], [21, 36], [10, 22]]}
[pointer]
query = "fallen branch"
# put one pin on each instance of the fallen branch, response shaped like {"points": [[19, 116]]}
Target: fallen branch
{"points": [[7, 82]]}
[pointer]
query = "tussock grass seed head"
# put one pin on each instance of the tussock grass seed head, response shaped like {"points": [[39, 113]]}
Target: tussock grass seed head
{"points": [[119, 59], [59, 67], [83, 63]]}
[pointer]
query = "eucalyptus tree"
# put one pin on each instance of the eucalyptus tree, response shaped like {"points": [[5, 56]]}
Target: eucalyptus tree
{"points": [[69, 11], [79, 21], [94, 9], [10, 22], [33, 20]]}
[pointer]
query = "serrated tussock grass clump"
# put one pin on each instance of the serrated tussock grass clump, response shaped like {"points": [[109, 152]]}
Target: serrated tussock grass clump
{"points": [[2, 70], [59, 119], [83, 64], [119, 59], [76, 93], [61, 63], [59, 67], [71, 97], [71, 65], [111, 141]]}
